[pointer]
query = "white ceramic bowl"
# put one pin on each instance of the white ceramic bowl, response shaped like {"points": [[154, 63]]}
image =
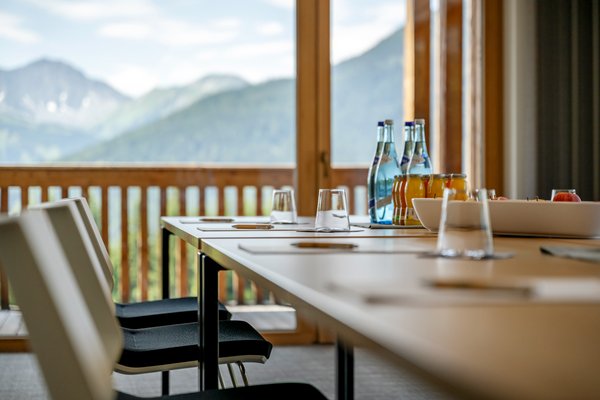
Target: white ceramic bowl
{"points": [[521, 217]]}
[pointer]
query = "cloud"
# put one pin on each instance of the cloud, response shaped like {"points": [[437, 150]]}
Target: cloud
{"points": [[172, 32], [125, 30], [89, 10], [133, 79], [272, 28], [287, 4], [354, 34], [281, 47], [10, 28]]}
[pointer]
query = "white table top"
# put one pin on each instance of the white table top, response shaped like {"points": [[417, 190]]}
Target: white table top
{"points": [[194, 231], [510, 347]]}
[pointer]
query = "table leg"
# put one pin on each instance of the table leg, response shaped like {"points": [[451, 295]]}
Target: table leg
{"points": [[165, 263], [345, 370], [165, 293], [208, 317]]}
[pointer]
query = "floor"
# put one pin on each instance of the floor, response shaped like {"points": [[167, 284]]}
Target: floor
{"points": [[20, 377]]}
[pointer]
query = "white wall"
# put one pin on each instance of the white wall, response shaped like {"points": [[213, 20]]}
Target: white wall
{"points": [[520, 99]]}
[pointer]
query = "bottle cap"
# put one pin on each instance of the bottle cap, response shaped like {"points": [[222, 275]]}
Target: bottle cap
{"points": [[420, 121], [379, 123], [389, 122], [408, 123]]}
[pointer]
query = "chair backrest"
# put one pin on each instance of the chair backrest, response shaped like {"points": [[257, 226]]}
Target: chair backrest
{"points": [[77, 246], [71, 353], [94, 234]]}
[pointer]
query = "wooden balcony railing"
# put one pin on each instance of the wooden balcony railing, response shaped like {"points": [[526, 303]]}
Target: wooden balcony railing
{"points": [[127, 201]]}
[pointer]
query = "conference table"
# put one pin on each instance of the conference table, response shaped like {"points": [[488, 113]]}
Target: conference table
{"points": [[526, 326]]}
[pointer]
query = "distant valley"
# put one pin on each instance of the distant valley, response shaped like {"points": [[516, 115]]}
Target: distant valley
{"points": [[218, 118]]}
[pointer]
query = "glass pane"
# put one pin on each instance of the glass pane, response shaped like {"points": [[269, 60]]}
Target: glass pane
{"points": [[205, 82], [143, 80], [367, 42]]}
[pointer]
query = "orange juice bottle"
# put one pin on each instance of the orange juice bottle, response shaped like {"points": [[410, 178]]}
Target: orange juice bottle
{"points": [[402, 197], [396, 200], [415, 188]]}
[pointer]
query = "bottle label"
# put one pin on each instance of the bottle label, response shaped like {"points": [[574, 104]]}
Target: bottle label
{"points": [[418, 159], [405, 160], [385, 158], [384, 201]]}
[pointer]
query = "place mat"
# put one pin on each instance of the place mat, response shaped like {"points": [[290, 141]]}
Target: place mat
{"points": [[472, 292], [386, 226], [578, 253], [322, 248]]}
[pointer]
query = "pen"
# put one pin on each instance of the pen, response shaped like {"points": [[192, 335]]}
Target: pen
{"points": [[477, 285], [324, 245], [216, 219], [253, 226]]}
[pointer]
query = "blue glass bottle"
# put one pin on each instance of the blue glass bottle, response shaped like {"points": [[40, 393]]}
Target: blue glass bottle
{"points": [[409, 146], [420, 162], [387, 168], [372, 169]]}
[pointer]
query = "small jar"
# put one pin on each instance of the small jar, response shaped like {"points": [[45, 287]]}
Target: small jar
{"points": [[436, 186], [459, 183]]}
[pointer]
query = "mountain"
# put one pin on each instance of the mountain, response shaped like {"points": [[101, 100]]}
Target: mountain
{"points": [[256, 123], [49, 109], [364, 90], [48, 91], [247, 125], [159, 103], [25, 142]]}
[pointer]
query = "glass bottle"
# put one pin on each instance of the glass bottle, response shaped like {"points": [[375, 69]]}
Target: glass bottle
{"points": [[407, 152], [371, 175], [387, 168], [415, 189], [409, 146], [420, 162]]}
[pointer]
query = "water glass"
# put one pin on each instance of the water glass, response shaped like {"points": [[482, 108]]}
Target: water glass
{"points": [[465, 229], [283, 209], [332, 211]]}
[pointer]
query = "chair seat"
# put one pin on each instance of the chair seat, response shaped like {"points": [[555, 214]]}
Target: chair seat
{"points": [[173, 344], [162, 312], [274, 391]]}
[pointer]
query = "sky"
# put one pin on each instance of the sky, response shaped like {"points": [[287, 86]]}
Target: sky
{"points": [[138, 45]]}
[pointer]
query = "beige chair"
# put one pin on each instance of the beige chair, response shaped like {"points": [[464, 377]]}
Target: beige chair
{"points": [[146, 313], [75, 358], [159, 348]]}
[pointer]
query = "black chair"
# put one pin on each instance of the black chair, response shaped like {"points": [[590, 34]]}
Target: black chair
{"points": [[157, 348], [75, 358]]}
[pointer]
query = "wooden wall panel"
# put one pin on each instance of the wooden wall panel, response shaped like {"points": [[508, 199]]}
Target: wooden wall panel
{"points": [[493, 94], [452, 137]]}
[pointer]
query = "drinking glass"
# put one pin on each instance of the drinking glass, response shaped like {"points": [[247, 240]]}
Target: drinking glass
{"points": [[332, 211], [465, 229], [283, 209]]}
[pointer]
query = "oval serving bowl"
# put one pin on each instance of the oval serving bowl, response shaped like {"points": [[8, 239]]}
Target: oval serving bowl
{"points": [[522, 217]]}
